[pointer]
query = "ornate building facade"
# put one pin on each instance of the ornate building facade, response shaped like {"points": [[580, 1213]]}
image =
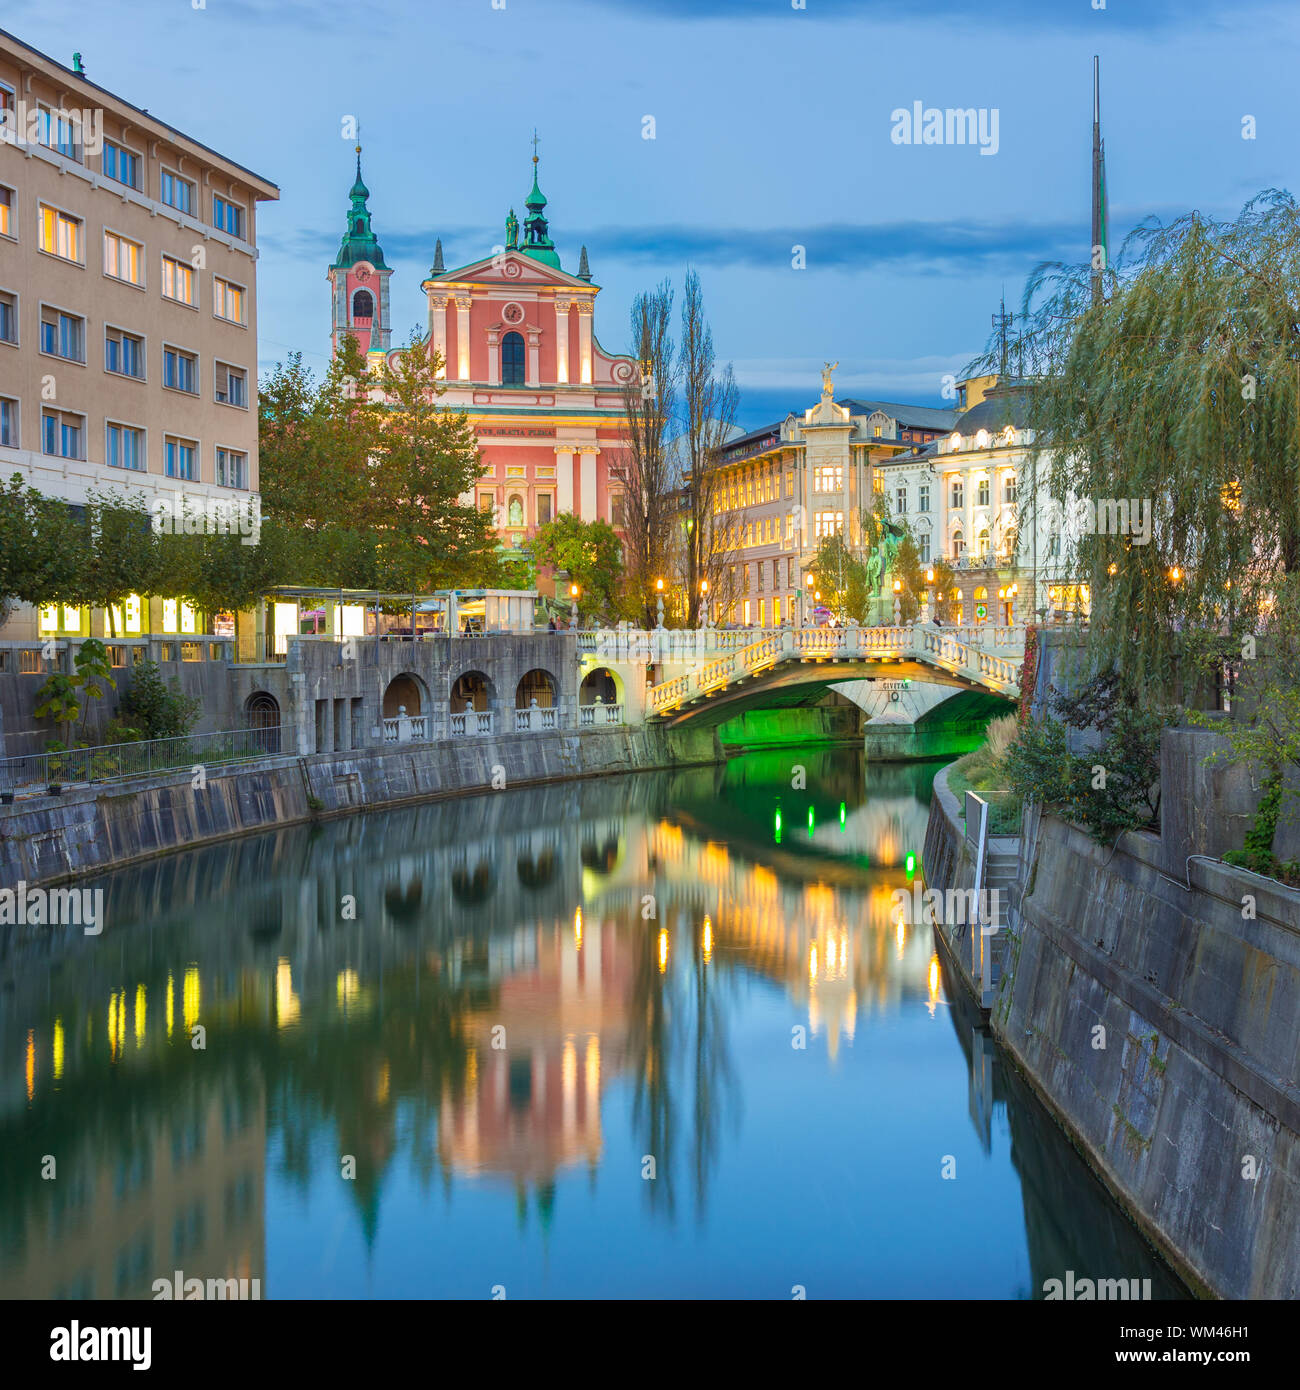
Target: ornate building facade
{"points": [[515, 334]]}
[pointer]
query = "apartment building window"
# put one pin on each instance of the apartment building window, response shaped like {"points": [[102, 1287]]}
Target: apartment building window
{"points": [[180, 370], [878, 484], [1009, 488], [58, 132], [227, 216], [63, 434], [8, 423], [923, 547], [182, 459], [923, 497], [8, 317], [177, 192], [232, 468], [178, 281], [123, 353], [957, 493], [125, 447], [758, 569], [61, 234], [63, 335], [232, 385], [121, 164], [829, 524], [122, 258], [982, 493], [828, 478], [7, 223], [789, 483], [227, 300], [900, 501]]}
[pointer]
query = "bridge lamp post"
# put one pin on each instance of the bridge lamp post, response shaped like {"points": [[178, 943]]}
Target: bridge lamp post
{"points": [[929, 581], [804, 614], [704, 601], [575, 593], [659, 603], [898, 603]]}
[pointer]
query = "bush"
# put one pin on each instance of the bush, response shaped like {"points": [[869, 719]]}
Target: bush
{"points": [[1108, 791], [158, 708]]}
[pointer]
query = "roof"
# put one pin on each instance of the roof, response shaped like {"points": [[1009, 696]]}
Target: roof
{"points": [[1002, 406], [273, 190], [910, 416]]}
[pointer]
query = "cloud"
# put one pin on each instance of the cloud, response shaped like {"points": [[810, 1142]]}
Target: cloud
{"points": [[1037, 16]]}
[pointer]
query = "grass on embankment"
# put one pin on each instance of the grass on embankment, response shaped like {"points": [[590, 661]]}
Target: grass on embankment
{"points": [[980, 771]]}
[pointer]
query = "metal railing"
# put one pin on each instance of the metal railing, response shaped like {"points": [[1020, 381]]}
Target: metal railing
{"points": [[33, 773]]}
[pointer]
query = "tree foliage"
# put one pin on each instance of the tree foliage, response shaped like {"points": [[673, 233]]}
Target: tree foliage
{"points": [[1180, 389], [589, 551]]}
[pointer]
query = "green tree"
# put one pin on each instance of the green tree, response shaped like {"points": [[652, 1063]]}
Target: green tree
{"points": [[1179, 390], [590, 552], [63, 697], [158, 708]]}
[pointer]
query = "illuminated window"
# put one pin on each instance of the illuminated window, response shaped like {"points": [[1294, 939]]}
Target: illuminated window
{"points": [[178, 281], [61, 234], [829, 524], [6, 212], [982, 495], [228, 300], [179, 617], [828, 478], [127, 623]]}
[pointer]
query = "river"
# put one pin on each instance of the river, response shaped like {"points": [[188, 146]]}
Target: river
{"points": [[653, 1036]]}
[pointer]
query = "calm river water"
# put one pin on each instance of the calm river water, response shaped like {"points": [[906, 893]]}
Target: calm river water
{"points": [[650, 1036]]}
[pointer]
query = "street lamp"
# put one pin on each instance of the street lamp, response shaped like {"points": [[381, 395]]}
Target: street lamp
{"points": [[704, 600], [898, 603], [574, 592], [659, 603]]}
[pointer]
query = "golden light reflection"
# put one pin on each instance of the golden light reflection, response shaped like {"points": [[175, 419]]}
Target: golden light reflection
{"points": [[171, 1004], [347, 987], [287, 1006], [900, 935], [191, 994], [141, 1016], [471, 1069], [58, 1049], [708, 940], [812, 961], [31, 1063], [663, 949], [381, 1088], [577, 928], [934, 983]]}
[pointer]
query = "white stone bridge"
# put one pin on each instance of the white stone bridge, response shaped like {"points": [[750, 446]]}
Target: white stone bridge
{"points": [[712, 675]]}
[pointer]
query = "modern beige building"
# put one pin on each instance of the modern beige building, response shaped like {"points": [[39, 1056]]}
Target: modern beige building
{"points": [[128, 309]]}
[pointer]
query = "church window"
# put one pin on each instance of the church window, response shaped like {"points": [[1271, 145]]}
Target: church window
{"points": [[363, 305], [516, 510], [512, 360]]}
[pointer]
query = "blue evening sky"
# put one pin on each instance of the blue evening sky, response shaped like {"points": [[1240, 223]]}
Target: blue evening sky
{"points": [[772, 129]]}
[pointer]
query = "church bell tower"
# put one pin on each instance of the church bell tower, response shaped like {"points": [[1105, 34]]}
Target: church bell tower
{"points": [[359, 280]]}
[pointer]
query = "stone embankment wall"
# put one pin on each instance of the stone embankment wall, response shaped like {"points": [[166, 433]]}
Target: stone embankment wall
{"points": [[89, 829], [1151, 997]]}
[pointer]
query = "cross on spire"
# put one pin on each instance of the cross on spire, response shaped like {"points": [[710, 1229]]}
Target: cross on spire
{"points": [[536, 142]]}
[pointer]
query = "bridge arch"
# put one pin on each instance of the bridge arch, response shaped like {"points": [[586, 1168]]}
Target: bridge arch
{"points": [[602, 682]]}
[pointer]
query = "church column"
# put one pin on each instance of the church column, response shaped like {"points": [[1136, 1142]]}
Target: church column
{"points": [[563, 478], [584, 307], [438, 303], [587, 497], [462, 337], [534, 377], [562, 341], [494, 357]]}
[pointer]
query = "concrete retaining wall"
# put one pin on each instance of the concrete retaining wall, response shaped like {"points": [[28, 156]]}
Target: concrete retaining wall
{"points": [[87, 829], [1193, 1081]]}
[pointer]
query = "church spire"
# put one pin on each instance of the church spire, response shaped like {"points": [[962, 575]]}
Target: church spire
{"points": [[584, 270], [438, 267], [1100, 213], [359, 240], [537, 242]]}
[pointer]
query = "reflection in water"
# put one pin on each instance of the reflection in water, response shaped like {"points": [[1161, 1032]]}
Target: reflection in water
{"points": [[531, 1039]]}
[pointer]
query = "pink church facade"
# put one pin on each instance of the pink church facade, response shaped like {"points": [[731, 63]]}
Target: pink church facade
{"points": [[515, 332]]}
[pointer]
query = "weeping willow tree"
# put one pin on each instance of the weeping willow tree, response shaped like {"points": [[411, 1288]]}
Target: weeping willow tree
{"points": [[1178, 391]]}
